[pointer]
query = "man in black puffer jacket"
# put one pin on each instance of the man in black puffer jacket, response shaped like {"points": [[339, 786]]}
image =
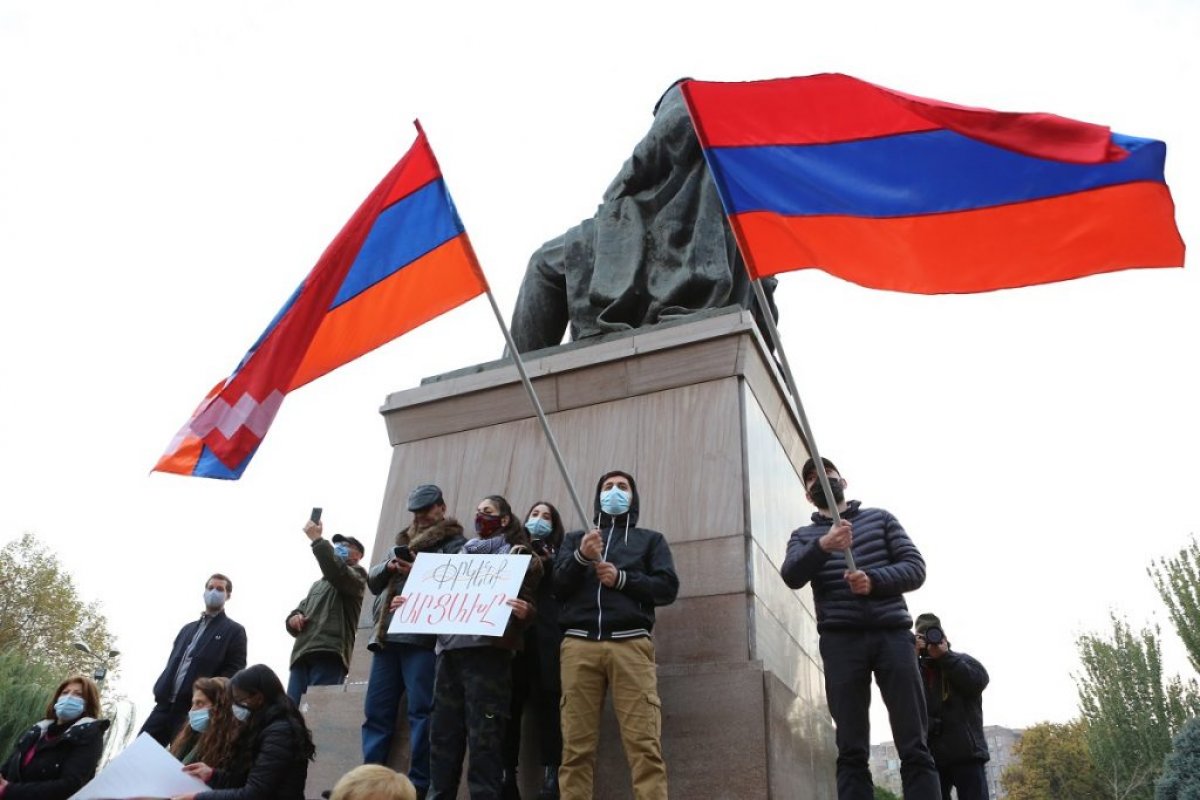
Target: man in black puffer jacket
{"points": [[608, 582], [864, 624], [954, 684]]}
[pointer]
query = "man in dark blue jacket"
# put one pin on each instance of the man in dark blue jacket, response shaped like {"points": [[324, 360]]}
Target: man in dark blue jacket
{"points": [[864, 625], [954, 684], [210, 647], [608, 582]]}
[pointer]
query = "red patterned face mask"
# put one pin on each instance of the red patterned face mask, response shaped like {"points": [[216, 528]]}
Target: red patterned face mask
{"points": [[486, 525]]}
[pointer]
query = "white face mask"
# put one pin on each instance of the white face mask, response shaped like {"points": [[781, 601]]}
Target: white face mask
{"points": [[241, 712]]}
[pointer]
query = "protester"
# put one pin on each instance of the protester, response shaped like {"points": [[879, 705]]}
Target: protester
{"points": [[535, 668], [404, 663], [954, 684], [863, 623], [608, 585], [211, 731], [59, 754], [212, 646], [373, 782], [473, 687], [326, 620], [270, 760]]}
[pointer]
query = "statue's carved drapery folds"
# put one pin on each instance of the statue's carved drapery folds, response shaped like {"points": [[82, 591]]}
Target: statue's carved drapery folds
{"points": [[659, 248]]}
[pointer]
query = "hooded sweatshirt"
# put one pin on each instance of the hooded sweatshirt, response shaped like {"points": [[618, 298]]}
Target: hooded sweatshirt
{"points": [[645, 579]]}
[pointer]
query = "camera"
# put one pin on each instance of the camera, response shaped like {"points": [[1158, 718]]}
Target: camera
{"points": [[934, 635], [403, 553]]}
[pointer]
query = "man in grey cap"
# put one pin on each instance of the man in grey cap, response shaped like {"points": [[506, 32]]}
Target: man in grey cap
{"points": [[404, 663]]}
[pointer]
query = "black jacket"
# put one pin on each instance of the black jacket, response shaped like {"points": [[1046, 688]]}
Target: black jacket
{"points": [[954, 687], [60, 767], [220, 652], [646, 579], [881, 549], [277, 771]]}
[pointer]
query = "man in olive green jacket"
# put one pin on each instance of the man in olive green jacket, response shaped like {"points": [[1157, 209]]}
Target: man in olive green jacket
{"points": [[325, 621]]}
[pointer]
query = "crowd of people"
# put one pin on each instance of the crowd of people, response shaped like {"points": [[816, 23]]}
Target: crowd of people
{"points": [[580, 629]]}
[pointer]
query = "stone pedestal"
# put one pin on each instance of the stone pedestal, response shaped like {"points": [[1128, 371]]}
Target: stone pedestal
{"points": [[696, 412]]}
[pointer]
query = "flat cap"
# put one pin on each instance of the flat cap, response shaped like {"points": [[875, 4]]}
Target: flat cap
{"points": [[424, 496]]}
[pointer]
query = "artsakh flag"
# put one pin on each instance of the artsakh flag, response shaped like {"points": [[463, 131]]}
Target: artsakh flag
{"points": [[401, 260], [897, 192]]}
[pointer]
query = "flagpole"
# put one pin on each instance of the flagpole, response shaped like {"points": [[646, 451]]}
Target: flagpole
{"points": [[537, 404], [798, 410]]}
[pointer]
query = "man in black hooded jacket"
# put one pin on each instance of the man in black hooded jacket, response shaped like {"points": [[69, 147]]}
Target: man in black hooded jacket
{"points": [[608, 582]]}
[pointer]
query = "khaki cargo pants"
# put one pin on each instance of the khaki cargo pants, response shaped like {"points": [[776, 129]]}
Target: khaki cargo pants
{"points": [[589, 670]]}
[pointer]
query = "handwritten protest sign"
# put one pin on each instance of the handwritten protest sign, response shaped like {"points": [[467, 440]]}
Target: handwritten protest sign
{"points": [[459, 593]]}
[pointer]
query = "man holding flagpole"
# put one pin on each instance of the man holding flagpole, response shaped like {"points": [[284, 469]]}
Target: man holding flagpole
{"points": [[864, 627]]}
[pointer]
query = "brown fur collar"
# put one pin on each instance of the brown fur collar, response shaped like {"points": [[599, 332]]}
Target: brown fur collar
{"points": [[426, 539]]}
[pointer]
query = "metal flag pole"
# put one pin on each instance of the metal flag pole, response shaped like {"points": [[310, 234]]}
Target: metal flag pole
{"points": [[798, 410], [533, 398]]}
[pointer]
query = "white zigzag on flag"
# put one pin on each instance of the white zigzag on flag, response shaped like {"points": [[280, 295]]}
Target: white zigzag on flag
{"points": [[247, 413]]}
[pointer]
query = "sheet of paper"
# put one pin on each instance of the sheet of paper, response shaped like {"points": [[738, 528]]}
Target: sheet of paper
{"points": [[143, 769], [460, 593]]}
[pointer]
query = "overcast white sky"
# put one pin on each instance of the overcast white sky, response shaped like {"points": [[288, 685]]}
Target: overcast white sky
{"points": [[169, 172]]}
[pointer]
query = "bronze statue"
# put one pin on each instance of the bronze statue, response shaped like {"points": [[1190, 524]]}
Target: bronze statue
{"points": [[659, 247]]}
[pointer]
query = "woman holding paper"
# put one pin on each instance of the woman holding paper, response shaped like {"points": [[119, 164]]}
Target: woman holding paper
{"points": [[473, 686], [211, 731], [59, 754], [270, 759]]}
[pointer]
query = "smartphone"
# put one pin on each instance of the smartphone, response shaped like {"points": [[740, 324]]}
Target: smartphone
{"points": [[316, 514], [402, 552]]}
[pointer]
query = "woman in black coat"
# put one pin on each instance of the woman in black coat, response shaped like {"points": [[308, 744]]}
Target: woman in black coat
{"points": [[58, 755], [271, 759], [536, 667]]}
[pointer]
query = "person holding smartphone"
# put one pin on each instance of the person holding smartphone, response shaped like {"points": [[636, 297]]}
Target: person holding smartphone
{"points": [[405, 662]]}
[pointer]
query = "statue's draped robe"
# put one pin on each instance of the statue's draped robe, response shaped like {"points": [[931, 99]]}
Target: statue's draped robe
{"points": [[658, 248]]}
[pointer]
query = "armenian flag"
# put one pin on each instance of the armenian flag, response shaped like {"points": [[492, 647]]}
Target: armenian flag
{"points": [[401, 260], [909, 194]]}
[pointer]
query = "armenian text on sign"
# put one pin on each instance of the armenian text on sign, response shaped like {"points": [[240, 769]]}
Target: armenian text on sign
{"points": [[460, 593]]}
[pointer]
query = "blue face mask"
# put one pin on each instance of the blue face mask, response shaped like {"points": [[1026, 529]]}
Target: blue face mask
{"points": [[343, 552], [198, 719], [241, 712], [214, 598], [538, 528], [614, 502], [68, 708]]}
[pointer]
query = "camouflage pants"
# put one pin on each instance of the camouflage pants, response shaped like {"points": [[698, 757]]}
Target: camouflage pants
{"points": [[471, 696]]}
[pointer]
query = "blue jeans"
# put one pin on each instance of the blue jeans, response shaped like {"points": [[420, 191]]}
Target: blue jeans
{"points": [[399, 669], [315, 669]]}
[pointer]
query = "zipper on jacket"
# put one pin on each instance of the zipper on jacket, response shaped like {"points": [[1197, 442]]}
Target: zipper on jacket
{"points": [[600, 586]]}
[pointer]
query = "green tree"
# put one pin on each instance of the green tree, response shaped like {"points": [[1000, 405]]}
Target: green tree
{"points": [[41, 613], [1181, 773], [1178, 582], [25, 688], [1052, 763], [886, 794], [1132, 710]]}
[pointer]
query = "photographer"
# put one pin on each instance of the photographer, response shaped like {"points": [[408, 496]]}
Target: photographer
{"points": [[954, 684]]}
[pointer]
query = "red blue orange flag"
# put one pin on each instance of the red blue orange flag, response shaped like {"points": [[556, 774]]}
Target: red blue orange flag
{"points": [[897, 192], [401, 260]]}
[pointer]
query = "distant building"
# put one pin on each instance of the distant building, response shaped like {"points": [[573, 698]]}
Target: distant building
{"points": [[885, 761]]}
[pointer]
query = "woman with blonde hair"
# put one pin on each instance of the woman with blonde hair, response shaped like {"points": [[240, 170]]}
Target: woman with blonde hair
{"points": [[59, 754], [211, 731]]}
